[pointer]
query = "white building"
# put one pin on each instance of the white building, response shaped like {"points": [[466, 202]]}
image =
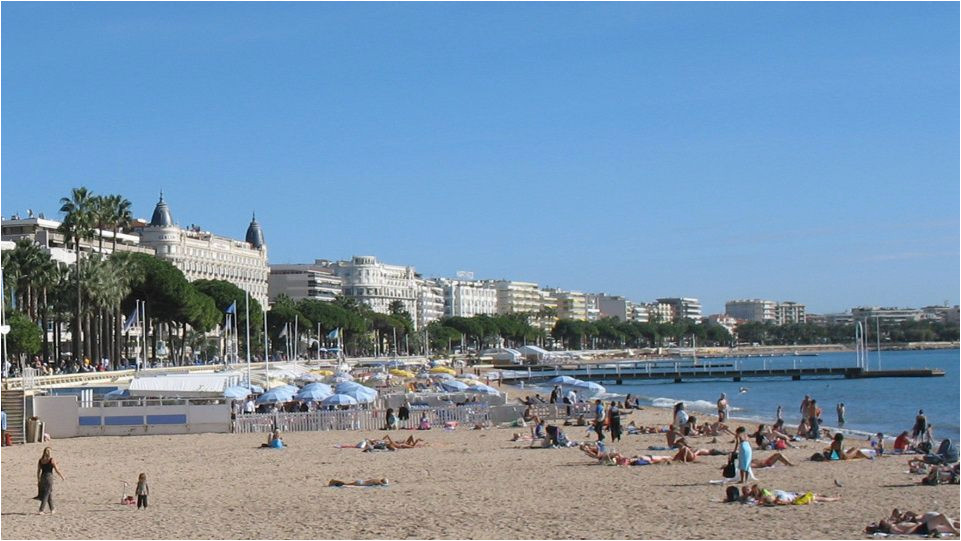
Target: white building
{"points": [[304, 281], [641, 313], [789, 312], [378, 284], [514, 297], [659, 312], [46, 233], [468, 298], [886, 315], [569, 304], [752, 310], [203, 255], [430, 302], [726, 321], [612, 306]]}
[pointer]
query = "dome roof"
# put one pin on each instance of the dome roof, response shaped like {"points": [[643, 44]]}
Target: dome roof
{"points": [[161, 214], [255, 235]]}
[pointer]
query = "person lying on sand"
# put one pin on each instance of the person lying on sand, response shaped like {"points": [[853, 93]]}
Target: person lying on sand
{"points": [[592, 451], [763, 496], [909, 523], [359, 483], [714, 429], [686, 453], [942, 475], [759, 463]]}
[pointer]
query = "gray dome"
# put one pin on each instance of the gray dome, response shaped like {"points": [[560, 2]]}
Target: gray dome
{"points": [[161, 214], [255, 235]]}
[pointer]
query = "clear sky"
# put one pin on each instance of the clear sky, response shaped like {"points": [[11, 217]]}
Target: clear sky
{"points": [[774, 150]]}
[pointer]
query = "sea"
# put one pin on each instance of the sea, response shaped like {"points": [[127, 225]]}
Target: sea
{"points": [[887, 405]]}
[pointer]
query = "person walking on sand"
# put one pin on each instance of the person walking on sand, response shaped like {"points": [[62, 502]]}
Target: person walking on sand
{"points": [[142, 491], [840, 409], [599, 419], [46, 467], [722, 408], [614, 421], [920, 427]]}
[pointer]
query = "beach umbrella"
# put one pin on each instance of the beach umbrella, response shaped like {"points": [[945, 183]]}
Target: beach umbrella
{"points": [[322, 372], [565, 380], [442, 375], [257, 389], [590, 386], [339, 400], [313, 394], [401, 373], [379, 376], [318, 385], [117, 393], [237, 392], [309, 378], [482, 389], [452, 385], [343, 379], [357, 391], [275, 395], [443, 370]]}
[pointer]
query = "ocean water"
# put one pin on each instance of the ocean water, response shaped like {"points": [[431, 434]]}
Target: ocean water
{"points": [[872, 405]]}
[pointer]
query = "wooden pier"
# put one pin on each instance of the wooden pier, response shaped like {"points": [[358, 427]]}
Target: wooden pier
{"points": [[687, 369]]}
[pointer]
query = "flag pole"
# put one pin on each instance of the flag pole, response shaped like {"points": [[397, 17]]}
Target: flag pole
{"points": [[296, 335], [247, 309], [266, 349]]}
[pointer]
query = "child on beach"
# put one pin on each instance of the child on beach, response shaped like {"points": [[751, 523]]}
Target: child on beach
{"points": [[142, 491]]}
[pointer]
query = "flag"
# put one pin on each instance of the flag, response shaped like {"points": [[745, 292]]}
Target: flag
{"points": [[132, 319], [232, 309], [332, 334], [283, 333]]}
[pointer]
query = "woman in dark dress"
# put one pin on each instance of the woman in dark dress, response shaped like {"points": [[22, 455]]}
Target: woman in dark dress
{"points": [[45, 470]]}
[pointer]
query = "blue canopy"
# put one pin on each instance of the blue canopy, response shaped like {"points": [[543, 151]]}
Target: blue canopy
{"points": [[319, 385], [565, 380], [237, 392], [313, 394], [253, 388], [483, 389], [339, 400], [453, 385], [357, 391], [277, 394]]}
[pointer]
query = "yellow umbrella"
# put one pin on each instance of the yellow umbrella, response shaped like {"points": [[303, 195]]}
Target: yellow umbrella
{"points": [[401, 373], [443, 369], [322, 372]]}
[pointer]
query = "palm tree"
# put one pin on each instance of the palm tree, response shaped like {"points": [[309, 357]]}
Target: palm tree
{"points": [[76, 227], [100, 217], [119, 214]]}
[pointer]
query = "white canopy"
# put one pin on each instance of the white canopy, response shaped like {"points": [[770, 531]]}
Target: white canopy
{"points": [[183, 385]]}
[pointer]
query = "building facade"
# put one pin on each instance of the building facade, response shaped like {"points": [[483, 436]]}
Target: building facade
{"points": [[788, 312], [468, 298], [203, 255], [304, 281], [886, 315], [569, 304], [430, 302], [612, 306], [46, 233], [378, 284], [683, 308], [758, 310], [513, 297]]}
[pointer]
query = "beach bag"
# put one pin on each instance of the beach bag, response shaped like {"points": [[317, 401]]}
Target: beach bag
{"points": [[818, 457], [733, 495], [730, 470], [805, 499]]}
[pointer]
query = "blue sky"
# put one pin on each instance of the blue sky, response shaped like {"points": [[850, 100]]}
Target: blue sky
{"points": [[774, 150]]}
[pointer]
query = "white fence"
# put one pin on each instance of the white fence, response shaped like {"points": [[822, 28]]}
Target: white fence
{"points": [[369, 420]]}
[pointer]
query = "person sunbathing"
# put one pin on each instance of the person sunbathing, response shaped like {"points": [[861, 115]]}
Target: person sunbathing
{"points": [[359, 483], [911, 523], [409, 443], [592, 451], [770, 461], [837, 449], [763, 496], [686, 453], [942, 475], [714, 429]]}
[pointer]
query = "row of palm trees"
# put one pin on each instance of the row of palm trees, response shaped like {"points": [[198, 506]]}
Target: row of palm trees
{"points": [[89, 293]]}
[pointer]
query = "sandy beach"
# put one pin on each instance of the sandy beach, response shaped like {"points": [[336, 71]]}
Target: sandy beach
{"points": [[470, 484]]}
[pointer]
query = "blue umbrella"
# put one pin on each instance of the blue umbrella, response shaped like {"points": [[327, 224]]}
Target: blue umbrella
{"points": [[313, 394], [453, 385], [307, 377], [565, 380], [357, 391], [594, 388], [237, 392], [442, 375], [277, 394], [253, 388], [322, 386], [117, 393], [483, 389], [339, 400]]}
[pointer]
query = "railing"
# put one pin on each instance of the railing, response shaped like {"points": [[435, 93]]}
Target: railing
{"points": [[369, 420]]}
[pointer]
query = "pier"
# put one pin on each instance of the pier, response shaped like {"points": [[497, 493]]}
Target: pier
{"points": [[680, 370]]}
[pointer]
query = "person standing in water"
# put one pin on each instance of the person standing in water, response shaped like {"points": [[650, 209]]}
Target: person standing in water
{"points": [[722, 408], [780, 413], [840, 409]]}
